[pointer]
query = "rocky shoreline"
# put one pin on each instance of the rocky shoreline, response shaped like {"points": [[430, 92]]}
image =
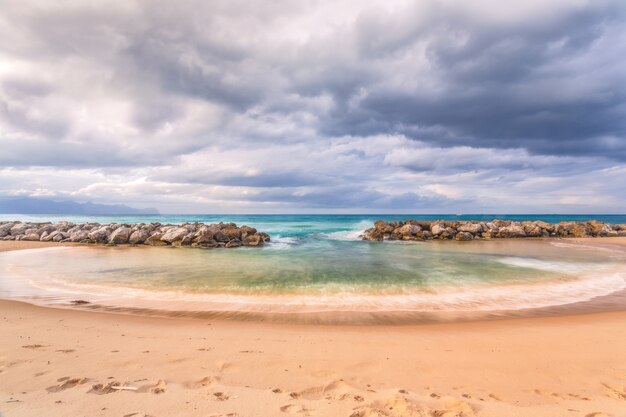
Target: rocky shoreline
{"points": [[496, 229], [200, 235]]}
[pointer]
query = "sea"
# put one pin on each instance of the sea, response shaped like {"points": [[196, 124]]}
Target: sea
{"points": [[317, 269]]}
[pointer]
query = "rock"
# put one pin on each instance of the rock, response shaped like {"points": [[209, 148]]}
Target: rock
{"points": [[45, 229], [473, 228], [464, 236], [247, 231], [138, 237], [220, 237], [59, 237], [384, 228], [31, 237], [100, 235], [79, 236], [532, 229], [206, 233], [155, 239], [232, 232], [187, 240], [437, 229], [408, 230], [49, 237], [120, 235], [5, 229], [253, 240], [174, 234], [513, 230], [582, 230], [19, 229], [372, 234], [234, 243]]}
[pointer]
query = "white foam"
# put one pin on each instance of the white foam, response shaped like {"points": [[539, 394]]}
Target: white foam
{"points": [[283, 242], [543, 265], [433, 299], [352, 234]]}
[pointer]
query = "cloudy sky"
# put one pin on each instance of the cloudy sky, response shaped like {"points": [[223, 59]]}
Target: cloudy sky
{"points": [[312, 106]]}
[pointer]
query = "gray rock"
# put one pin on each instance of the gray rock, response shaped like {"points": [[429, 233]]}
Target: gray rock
{"points": [[79, 236], [120, 235], [155, 239], [174, 234], [19, 229], [100, 235], [138, 237]]}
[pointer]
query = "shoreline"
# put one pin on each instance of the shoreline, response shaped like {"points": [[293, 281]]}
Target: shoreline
{"points": [[262, 308]]}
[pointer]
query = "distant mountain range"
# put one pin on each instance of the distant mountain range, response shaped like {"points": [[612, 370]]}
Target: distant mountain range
{"points": [[31, 205]]}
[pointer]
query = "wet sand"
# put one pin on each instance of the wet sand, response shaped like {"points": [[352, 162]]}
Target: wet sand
{"points": [[62, 362]]}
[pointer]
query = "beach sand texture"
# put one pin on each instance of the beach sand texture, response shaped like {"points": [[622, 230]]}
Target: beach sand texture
{"points": [[63, 362]]}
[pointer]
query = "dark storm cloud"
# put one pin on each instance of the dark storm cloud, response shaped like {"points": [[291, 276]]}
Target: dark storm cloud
{"points": [[551, 85]]}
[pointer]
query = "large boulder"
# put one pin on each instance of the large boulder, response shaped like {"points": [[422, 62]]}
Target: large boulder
{"points": [[532, 229], [582, 230], [5, 229], [31, 237], [512, 230], [175, 234], [19, 229], [408, 230], [120, 235], [100, 235], [473, 228], [206, 234], [253, 240], [155, 239], [437, 228], [232, 232], [138, 237], [45, 228], [79, 236]]}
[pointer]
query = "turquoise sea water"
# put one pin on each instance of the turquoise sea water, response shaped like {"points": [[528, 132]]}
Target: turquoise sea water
{"points": [[318, 264]]}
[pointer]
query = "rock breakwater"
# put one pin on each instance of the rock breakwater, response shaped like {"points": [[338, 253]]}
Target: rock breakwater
{"points": [[226, 235], [472, 230]]}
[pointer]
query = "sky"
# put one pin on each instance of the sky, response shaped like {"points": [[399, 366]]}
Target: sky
{"points": [[486, 106]]}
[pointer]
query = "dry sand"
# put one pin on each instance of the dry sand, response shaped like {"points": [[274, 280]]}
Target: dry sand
{"points": [[61, 362]]}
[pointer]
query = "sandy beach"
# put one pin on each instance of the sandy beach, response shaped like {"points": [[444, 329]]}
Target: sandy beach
{"points": [[64, 362]]}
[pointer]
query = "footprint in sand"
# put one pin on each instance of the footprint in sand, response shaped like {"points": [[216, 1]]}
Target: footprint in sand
{"points": [[396, 406], [294, 409], [336, 390], [159, 387], [220, 396], [221, 365], [113, 386], [207, 381], [455, 408], [615, 391], [67, 383]]}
